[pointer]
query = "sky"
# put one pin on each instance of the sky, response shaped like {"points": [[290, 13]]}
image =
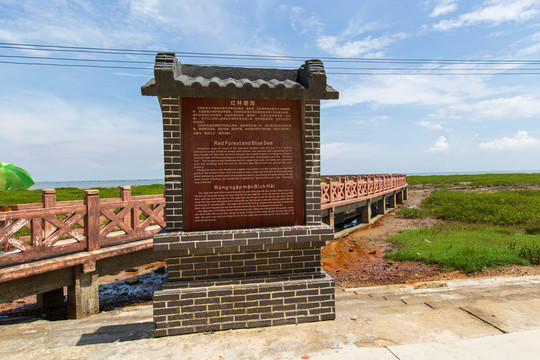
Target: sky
{"points": [[65, 123]]}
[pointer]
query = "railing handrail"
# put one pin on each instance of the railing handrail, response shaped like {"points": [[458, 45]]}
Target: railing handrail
{"points": [[16, 207], [342, 189], [59, 228]]}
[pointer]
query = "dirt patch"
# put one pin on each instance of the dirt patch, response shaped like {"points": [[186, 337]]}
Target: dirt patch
{"points": [[357, 260]]}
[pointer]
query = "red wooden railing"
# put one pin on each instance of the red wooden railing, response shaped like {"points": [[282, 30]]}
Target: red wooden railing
{"points": [[343, 189], [54, 229]]}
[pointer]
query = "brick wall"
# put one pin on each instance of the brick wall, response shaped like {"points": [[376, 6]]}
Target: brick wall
{"points": [[172, 151], [178, 240], [246, 261], [214, 308], [312, 161]]}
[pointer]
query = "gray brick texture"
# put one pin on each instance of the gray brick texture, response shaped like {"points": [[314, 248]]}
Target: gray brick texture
{"points": [[240, 306], [245, 262]]}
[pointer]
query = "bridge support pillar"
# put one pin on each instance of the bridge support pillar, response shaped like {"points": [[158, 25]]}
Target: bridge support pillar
{"points": [[331, 217], [399, 197], [83, 295], [366, 213], [53, 299], [382, 206], [406, 193], [392, 198]]}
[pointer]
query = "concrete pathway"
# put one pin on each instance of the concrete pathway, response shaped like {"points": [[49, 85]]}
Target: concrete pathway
{"points": [[472, 319]]}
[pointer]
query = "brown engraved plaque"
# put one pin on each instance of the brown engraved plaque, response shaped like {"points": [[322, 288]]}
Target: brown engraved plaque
{"points": [[242, 163]]}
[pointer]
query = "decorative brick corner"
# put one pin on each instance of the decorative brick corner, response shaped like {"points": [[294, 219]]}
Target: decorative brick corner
{"points": [[223, 276]]}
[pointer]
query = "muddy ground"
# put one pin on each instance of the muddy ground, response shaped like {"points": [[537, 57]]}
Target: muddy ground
{"points": [[356, 260]]}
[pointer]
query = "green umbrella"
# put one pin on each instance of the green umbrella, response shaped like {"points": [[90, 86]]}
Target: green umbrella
{"points": [[14, 178]]}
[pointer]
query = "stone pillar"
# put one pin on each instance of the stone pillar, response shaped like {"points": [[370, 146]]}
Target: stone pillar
{"points": [[331, 218], [366, 212], [83, 295], [392, 198], [382, 206], [399, 196]]}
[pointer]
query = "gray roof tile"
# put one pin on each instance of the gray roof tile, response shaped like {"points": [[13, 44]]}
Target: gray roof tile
{"points": [[175, 79]]}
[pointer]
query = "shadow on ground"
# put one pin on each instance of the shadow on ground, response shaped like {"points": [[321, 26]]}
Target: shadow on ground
{"points": [[118, 333]]}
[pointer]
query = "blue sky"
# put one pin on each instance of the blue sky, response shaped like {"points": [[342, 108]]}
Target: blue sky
{"points": [[68, 123]]}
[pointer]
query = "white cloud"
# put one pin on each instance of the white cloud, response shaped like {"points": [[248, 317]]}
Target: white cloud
{"points": [[430, 125], [522, 141], [74, 23], [531, 46], [376, 120], [355, 28], [302, 21], [342, 150], [441, 145], [145, 24], [420, 90], [444, 7], [338, 46], [493, 12], [517, 107], [79, 139]]}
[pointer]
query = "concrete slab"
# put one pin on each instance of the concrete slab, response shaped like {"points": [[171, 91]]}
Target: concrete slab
{"points": [[509, 316], [521, 345]]}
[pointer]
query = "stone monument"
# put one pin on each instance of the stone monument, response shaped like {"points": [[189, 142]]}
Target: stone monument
{"points": [[242, 190]]}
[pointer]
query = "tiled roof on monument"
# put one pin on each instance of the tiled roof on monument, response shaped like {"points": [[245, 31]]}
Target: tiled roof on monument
{"points": [[177, 79]]}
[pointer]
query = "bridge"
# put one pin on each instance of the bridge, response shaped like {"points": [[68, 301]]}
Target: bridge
{"points": [[45, 247]]}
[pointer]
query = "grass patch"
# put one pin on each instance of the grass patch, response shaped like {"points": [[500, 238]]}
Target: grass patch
{"points": [[71, 193], [476, 179], [480, 230], [464, 250], [411, 213], [503, 208]]}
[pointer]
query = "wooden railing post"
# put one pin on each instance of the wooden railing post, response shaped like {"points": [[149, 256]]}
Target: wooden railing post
{"points": [[91, 220], [125, 195], [48, 197]]}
